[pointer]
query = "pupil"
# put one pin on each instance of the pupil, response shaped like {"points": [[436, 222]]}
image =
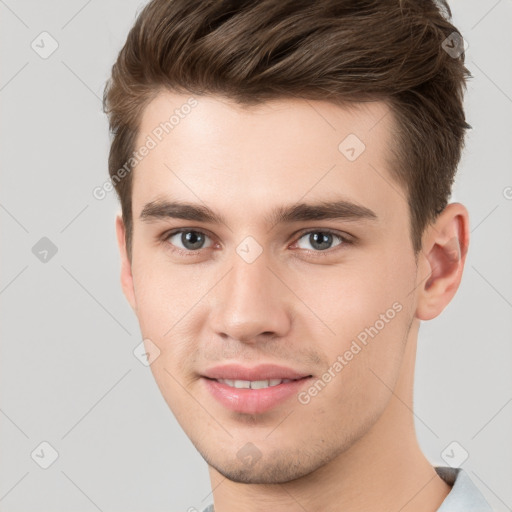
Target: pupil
{"points": [[321, 240], [192, 240]]}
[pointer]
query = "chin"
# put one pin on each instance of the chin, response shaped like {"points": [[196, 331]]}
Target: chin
{"points": [[278, 467]]}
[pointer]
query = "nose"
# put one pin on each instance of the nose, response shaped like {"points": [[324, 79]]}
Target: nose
{"points": [[251, 303]]}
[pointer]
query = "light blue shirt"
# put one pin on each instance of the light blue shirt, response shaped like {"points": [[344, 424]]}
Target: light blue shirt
{"points": [[464, 496]]}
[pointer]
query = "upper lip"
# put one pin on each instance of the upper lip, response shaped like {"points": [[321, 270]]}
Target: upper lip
{"points": [[260, 372]]}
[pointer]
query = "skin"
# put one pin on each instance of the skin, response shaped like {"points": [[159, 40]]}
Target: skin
{"points": [[353, 446]]}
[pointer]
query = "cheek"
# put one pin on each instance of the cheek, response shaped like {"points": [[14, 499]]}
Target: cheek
{"points": [[364, 358], [152, 296], [170, 311], [160, 301], [349, 298], [164, 312], [367, 310]]}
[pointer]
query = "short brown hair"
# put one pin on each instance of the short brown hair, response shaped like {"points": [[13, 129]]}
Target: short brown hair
{"points": [[335, 50]]}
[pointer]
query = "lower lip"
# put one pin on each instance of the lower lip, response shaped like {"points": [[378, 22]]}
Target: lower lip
{"points": [[253, 401]]}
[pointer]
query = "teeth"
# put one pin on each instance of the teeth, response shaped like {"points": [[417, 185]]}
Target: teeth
{"points": [[253, 384], [259, 384]]}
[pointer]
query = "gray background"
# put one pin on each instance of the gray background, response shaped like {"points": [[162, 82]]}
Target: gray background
{"points": [[68, 373]]}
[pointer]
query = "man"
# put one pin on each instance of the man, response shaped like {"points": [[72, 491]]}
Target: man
{"points": [[284, 169]]}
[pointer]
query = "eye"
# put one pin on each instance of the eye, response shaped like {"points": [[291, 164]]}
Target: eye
{"points": [[321, 240], [189, 239], [189, 242]]}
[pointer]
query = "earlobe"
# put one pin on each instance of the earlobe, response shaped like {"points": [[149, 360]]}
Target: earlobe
{"points": [[445, 247], [126, 267]]}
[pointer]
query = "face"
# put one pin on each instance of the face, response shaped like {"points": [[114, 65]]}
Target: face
{"points": [[270, 243]]}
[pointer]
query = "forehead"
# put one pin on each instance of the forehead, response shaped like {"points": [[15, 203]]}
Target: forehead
{"points": [[210, 150]]}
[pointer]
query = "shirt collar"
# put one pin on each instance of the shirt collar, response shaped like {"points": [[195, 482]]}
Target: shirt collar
{"points": [[464, 496]]}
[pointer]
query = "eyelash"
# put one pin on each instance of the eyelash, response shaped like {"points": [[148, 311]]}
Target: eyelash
{"points": [[182, 252]]}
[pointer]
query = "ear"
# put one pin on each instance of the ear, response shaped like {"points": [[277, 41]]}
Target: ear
{"points": [[445, 245], [126, 266]]}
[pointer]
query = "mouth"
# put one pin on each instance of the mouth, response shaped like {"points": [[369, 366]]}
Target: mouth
{"points": [[256, 384], [253, 390]]}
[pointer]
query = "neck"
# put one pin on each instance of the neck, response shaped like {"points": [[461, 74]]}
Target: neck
{"points": [[384, 470]]}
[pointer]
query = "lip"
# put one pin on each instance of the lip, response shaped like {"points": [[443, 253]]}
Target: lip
{"points": [[253, 401], [260, 372]]}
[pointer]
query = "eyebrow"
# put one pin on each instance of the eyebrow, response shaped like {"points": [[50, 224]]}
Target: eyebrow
{"points": [[300, 212]]}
